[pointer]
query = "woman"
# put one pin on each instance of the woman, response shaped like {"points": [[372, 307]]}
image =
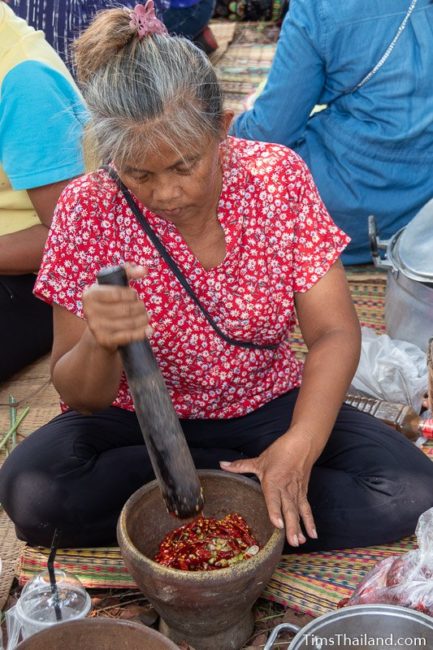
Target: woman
{"points": [[371, 150], [245, 225]]}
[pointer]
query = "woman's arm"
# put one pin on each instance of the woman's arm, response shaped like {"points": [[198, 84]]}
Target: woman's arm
{"points": [[40, 150], [21, 251], [331, 331], [85, 364], [295, 82]]}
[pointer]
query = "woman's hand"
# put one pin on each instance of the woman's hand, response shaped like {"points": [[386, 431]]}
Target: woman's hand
{"points": [[284, 471], [85, 363], [115, 315]]}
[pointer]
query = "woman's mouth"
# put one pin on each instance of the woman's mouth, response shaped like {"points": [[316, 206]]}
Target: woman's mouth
{"points": [[169, 214]]}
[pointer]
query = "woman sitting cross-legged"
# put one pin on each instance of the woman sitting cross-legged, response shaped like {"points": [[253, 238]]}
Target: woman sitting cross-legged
{"points": [[245, 225]]}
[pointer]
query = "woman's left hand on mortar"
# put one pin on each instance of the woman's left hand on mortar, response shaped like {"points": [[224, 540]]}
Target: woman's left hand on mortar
{"points": [[284, 471]]}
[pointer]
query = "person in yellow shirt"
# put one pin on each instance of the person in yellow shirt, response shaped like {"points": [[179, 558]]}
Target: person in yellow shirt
{"points": [[41, 122]]}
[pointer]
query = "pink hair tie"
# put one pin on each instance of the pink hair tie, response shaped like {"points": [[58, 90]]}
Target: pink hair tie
{"points": [[144, 21]]}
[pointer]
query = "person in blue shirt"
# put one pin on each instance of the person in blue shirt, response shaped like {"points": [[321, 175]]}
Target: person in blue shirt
{"points": [[64, 21], [371, 150], [42, 117]]}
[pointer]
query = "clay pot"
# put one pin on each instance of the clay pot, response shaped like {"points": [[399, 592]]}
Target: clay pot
{"points": [[208, 609], [100, 634]]}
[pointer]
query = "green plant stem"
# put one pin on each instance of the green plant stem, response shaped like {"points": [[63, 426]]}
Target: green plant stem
{"points": [[13, 417], [269, 618], [13, 429]]}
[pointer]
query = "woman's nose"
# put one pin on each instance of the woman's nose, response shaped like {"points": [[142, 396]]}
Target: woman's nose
{"points": [[165, 192]]}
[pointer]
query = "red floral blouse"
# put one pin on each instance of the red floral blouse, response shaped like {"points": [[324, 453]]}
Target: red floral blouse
{"points": [[279, 240]]}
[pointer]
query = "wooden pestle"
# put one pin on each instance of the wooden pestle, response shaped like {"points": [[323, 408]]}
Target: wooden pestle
{"points": [[165, 441]]}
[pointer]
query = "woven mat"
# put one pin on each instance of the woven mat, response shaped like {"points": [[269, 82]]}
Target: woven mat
{"points": [[31, 387], [311, 583], [314, 583], [246, 63], [224, 32], [100, 568], [367, 286], [10, 551]]}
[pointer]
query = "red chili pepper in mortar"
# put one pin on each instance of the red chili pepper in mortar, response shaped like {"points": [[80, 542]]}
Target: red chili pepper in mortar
{"points": [[206, 544]]}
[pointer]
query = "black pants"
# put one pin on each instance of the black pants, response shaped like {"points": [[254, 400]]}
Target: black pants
{"points": [[26, 329], [369, 486]]}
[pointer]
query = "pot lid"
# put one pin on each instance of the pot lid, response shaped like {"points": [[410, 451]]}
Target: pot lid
{"points": [[414, 246], [38, 602]]}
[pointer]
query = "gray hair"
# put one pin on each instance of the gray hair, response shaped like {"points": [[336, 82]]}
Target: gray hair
{"points": [[144, 93]]}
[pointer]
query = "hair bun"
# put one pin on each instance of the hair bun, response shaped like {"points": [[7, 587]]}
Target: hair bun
{"points": [[108, 33]]}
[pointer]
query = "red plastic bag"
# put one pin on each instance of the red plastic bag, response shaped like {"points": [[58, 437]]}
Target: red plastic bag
{"points": [[404, 580]]}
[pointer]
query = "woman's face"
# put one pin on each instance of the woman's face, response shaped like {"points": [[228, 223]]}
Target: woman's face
{"points": [[176, 187]]}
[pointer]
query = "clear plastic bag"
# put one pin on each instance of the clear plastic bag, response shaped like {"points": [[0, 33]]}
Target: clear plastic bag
{"points": [[404, 580], [13, 627], [392, 370]]}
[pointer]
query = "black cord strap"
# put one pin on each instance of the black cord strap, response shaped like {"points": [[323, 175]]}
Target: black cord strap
{"points": [[176, 270]]}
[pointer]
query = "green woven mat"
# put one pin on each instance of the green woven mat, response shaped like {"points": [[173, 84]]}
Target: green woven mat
{"points": [[312, 583]]}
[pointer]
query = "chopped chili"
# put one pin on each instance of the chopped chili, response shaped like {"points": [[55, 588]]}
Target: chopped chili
{"points": [[206, 544]]}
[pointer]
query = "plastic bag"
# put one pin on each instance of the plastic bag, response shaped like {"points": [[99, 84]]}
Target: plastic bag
{"points": [[392, 370], [404, 580], [13, 627]]}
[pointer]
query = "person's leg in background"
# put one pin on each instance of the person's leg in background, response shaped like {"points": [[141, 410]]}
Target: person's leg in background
{"points": [[26, 328], [192, 22]]}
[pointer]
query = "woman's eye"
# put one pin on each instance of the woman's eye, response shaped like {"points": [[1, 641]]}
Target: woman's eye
{"points": [[186, 169], [141, 178]]}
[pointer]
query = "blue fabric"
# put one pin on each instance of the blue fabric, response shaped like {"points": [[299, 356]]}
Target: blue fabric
{"points": [[38, 109], [372, 151], [180, 4], [188, 23], [63, 21]]}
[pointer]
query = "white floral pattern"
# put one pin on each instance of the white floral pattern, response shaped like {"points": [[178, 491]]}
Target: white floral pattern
{"points": [[279, 240]]}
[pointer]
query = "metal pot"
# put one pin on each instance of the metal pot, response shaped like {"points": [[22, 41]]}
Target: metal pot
{"points": [[366, 627], [409, 293]]}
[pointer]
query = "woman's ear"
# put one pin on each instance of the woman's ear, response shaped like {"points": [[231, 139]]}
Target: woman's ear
{"points": [[226, 121]]}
